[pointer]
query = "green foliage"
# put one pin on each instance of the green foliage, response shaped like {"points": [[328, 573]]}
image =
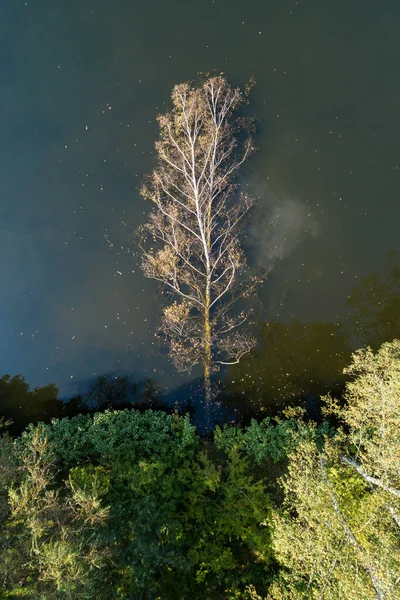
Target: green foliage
{"points": [[176, 521], [338, 532], [371, 414], [269, 440], [118, 436], [134, 505], [228, 511], [332, 535], [49, 544]]}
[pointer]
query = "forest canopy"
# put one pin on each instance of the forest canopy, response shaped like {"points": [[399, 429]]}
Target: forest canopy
{"points": [[129, 504]]}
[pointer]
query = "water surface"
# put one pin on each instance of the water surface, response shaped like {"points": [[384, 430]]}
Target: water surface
{"points": [[81, 85]]}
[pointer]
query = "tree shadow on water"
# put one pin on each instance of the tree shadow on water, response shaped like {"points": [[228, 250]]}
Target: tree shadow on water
{"points": [[297, 363], [292, 361], [21, 405], [374, 306]]}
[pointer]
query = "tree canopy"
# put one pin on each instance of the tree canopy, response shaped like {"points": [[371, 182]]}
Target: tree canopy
{"points": [[129, 504]]}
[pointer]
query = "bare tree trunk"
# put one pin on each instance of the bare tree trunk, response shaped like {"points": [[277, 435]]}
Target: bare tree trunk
{"points": [[207, 323], [207, 357], [207, 365]]}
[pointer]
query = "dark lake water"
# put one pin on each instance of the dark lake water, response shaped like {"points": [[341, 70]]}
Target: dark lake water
{"points": [[81, 85]]}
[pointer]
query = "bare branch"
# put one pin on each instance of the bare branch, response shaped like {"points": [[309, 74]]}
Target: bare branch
{"points": [[372, 480], [351, 537]]}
